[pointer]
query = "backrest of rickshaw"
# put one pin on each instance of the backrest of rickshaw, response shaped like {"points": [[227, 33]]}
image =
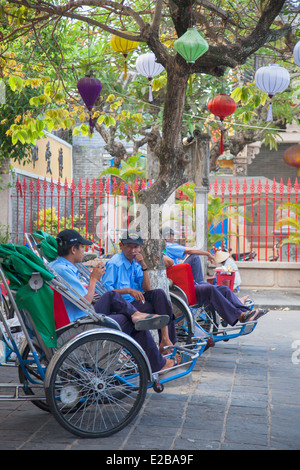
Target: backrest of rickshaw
{"points": [[182, 276], [21, 266]]}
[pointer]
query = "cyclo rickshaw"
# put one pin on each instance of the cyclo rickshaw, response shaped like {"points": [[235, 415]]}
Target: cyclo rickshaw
{"points": [[90, 375]]}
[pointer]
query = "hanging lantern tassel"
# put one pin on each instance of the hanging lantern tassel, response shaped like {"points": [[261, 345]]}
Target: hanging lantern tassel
{"points": [[91, 124], [150, 90], [125, 66], [221, 139], [270, 111]]}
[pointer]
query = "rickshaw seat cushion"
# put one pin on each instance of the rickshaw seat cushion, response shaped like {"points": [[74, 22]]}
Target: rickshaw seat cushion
{"points": [[61, 317], [182, 276]]}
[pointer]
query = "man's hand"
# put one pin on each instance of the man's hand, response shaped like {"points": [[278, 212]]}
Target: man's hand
{"points": [[211, 258], [98, 271], [136, 294], [140, 259]]}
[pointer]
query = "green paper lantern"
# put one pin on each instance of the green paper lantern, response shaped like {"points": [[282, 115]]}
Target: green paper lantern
{"points": [[191, 45]]}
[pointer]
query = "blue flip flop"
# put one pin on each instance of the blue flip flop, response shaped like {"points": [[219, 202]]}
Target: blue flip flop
{"points": [[152, 322]]}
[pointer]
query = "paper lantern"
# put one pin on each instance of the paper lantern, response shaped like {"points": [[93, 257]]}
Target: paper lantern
{"points": [[272, 79], [89, 89], [296, 53], [124, 46], [292, 157], [191, 45], [147, 66], [222, 106]]}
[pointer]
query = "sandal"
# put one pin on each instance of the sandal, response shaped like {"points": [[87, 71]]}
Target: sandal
{"points": [[253, 316], [152, 322]]}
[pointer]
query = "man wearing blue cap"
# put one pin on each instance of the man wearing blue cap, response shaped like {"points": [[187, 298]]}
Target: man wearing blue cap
{"points": [[126, 273]]}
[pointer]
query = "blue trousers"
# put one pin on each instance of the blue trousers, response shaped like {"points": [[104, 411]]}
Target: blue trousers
{"points": [[156, 301], [113, 304], [222, 299], [195, 263]]}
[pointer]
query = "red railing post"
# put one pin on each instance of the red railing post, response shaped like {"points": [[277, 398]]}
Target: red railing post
{"points": [[252, 189], [267, 187], [51, 185], [259, 190], [274, 189], [31, 188], [230, 189], [58, 188], [45, 187], [107, 189], [72, 201], [94, 204], [101, 188], [296, 189], [223, 188], [79, 186], [244, 188], [87, 189], [237, 190], [66, 187], [281, 190], [289, 189]]}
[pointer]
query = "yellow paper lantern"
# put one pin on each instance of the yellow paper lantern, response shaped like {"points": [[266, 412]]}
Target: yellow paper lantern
{"points": [[124, 46]]}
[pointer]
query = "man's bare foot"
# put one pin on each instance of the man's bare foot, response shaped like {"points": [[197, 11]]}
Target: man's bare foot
{"points": [[163, 347], [171, 362], [139, 316], [243, 299]]}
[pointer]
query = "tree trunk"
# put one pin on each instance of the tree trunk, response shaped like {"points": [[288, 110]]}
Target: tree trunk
{"points": [[172, 160]]}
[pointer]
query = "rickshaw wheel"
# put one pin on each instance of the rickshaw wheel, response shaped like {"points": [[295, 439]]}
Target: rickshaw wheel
{"points": [[96, 384]]}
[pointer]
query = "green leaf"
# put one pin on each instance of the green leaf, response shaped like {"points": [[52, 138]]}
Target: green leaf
{"points": [[15, 83]]}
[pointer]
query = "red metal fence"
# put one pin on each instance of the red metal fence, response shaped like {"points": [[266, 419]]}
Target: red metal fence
{"points": [[98, 208]]}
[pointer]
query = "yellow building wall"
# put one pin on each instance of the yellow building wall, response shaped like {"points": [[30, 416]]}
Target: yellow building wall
{"points": [[51, 157]]}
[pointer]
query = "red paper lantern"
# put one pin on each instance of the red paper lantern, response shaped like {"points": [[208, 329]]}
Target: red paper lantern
{"points": [[292, 157], [222, 106]]}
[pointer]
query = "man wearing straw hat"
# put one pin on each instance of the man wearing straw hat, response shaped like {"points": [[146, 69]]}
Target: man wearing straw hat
{"points": [[224, 258]]}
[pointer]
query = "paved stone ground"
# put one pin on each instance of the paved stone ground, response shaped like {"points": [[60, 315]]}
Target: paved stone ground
{"points": [[242, 395]]}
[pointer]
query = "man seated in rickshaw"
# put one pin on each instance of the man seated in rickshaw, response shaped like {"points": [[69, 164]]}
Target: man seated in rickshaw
{"points": [[127, 273], [70, 249], [220, 298]]}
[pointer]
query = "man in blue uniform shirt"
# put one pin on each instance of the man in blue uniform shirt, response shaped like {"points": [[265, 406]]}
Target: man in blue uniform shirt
{"points": [[221, 298], [126, 273], [70, 249], [174, 252]]}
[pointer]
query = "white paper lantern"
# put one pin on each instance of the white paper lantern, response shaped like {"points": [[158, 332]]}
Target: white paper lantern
{"points": [[147, 66], [296, 53], [272, 79]]}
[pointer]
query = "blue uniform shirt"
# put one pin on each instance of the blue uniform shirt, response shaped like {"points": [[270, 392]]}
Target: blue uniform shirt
{"points": [[175, 252], [70, 274], [121, 274]]}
